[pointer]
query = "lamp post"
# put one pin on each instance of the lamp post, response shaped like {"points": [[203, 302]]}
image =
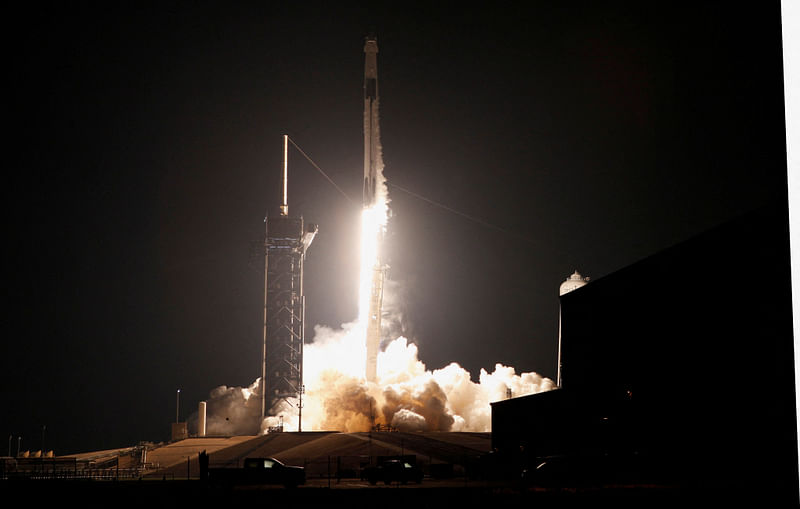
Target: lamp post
{"points": [[177, 405]]}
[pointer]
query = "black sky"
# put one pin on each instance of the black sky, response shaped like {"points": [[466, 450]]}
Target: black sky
{"points": [[146, 146]]}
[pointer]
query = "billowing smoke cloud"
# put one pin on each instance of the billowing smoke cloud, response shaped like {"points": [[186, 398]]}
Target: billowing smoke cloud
{"points": [[417, 408], [233, 410], [407, 396], [408, 420]]}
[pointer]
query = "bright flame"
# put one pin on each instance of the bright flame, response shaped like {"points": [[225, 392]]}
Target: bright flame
{"points": [[373, 222]]}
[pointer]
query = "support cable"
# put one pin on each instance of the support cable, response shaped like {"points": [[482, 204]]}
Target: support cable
{"points": [[419, 197], [462, 214], [322, 172]]}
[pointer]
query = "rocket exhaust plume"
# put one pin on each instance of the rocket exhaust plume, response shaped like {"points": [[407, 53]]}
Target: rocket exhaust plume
{"points": [[350, 384]]}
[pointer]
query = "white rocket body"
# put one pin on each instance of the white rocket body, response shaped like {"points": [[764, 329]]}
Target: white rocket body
{"points": [[373, 176]]}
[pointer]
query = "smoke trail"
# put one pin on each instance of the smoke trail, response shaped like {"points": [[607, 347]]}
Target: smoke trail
{"points": [[382, 194]]}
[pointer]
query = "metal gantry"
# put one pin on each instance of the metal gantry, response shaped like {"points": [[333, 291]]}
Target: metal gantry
{"points": [[282, 368]]}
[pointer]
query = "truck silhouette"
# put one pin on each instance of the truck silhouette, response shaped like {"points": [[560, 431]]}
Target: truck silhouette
{"points": [[255, 471], [390, 470]]}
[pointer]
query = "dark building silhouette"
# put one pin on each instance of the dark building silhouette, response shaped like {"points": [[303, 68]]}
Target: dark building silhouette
{"points": [[684, 362]]}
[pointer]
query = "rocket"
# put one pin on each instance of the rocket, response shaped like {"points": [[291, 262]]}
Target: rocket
{"points": [[371, 135], [373, 171]]}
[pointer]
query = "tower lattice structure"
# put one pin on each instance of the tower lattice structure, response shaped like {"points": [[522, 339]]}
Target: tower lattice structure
{"points": [[286, 242]]}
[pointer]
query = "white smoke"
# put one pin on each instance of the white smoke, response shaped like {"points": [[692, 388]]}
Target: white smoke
{"points": [[408, 420], [233, 410], [406, 396]]}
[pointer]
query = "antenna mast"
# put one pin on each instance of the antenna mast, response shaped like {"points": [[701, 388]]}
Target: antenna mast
{"points": [[285, 202]]}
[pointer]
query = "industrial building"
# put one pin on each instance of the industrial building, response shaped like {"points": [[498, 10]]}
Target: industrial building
{"points": [[573, 282], [682, 364]]}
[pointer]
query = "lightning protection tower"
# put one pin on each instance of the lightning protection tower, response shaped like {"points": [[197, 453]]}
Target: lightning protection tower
{"points": [[286, 242]]}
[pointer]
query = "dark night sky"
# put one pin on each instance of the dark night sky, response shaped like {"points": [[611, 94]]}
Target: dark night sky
{"points": [[146, 148]]}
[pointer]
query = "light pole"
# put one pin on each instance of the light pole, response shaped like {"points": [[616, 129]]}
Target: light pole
{"points": [[177, 405]]}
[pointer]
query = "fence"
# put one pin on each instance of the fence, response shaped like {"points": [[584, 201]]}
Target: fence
{"points": [[333, 468], [107, 468], [354, 467]]}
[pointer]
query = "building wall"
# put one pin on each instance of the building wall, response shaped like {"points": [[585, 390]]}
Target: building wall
{"points": [[691, 351]]}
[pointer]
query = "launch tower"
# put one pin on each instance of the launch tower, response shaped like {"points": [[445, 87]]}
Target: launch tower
{"points": [[286, 241]]}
